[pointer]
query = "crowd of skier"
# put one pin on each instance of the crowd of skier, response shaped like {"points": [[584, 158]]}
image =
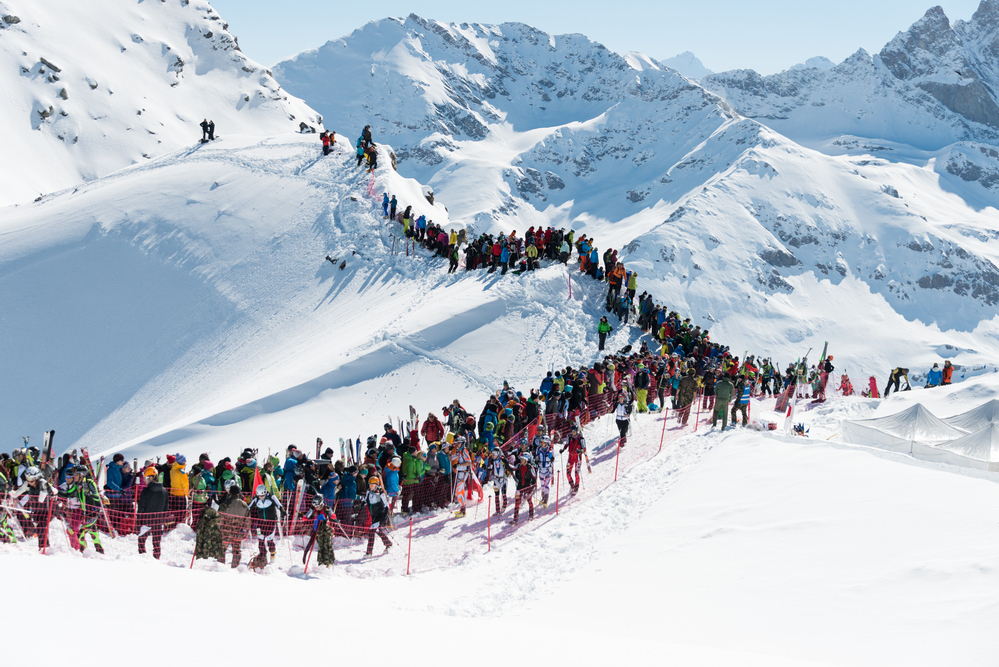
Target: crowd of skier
{"points": [[509, 446]]}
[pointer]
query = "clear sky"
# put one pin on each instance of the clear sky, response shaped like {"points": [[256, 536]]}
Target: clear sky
{"points": [[765, 35]]}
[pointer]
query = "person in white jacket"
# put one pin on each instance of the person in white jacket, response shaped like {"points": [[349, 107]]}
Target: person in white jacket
{"points": [[622, 415]]}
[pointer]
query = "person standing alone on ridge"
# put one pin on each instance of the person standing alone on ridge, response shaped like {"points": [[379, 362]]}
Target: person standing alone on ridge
{"points": [[603, 329]]}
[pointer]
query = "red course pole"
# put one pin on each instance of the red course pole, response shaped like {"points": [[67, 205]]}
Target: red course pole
{"points": [[48, 519], [557, 479], [663, 436], [616, 459], [700, 397], [409, 550]]}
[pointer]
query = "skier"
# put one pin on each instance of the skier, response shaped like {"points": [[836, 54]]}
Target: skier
{"points": [[322, 533], [686, 395], [741, 401], [577, 451], [378, 505], [393, 203], [211, 130], [948, 373], [204, 131], [897, 374], [235, 520], [546, 467], [642, 387], [724, 392], [622, 416], [36, 503], [265, 510], [934, 377], [526, 481], [152, 506], [385, 205], [83, 501], [496, 475], [463, 472], [603, 329], [6, 530]]}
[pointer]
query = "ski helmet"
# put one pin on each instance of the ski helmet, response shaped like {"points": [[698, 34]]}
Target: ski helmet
{"points": [[80, 470], [460, 441], [318, 501], [374, 481], [261, 490], [396, 461], [32, 474], [229, 483], [524, 456]]}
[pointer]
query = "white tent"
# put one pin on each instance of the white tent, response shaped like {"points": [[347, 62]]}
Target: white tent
{"points": [[978, 418], [915, 424], [976, 450], [860, 434]]}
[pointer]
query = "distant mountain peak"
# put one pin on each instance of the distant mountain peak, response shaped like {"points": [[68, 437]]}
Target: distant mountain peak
{"points": [[687, 64], [818, 62]]}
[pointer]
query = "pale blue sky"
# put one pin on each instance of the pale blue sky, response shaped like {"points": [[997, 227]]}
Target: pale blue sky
{"points": [[765, 35]]}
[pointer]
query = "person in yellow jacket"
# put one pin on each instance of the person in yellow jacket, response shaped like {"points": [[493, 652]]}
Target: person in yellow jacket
{"points": [[532, 257], [179, 489]]}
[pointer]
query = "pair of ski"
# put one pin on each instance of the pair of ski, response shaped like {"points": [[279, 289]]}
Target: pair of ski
{"points": [[96, 474], [350, 452]]}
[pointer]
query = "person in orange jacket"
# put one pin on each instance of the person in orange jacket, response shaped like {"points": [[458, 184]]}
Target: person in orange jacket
{"points": [[948, 372], [178, 488]]}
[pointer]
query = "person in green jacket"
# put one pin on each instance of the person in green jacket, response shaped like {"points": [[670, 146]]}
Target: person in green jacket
{"points": [[724, 392], [603, 329], [413, 467]]}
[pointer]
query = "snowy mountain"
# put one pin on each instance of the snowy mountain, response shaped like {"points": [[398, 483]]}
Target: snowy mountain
{"points": [[90, 88], [687, 64], [515, 127], [929, 87], [184, 304]]}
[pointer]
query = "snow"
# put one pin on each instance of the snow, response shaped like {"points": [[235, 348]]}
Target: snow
{"points": [[134, 81], [182, 304]]}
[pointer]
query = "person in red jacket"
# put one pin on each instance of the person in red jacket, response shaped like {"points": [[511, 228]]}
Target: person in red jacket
{"points": [[433, 429], [948, 372]]}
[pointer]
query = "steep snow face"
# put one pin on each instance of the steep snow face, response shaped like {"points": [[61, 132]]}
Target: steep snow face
{"points": [[90, 88]]}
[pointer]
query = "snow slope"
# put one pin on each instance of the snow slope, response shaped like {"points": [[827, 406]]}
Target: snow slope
{"points": [[731, 549], [90, 88]]}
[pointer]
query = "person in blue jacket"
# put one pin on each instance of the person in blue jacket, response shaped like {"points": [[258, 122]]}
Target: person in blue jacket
{"points": [[385, 204], [348, 492], [290, 467], [935, 376], [113, 483], [504, 258]]}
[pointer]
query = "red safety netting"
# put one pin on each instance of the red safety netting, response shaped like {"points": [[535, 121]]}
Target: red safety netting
{"points": [[201, 535]]}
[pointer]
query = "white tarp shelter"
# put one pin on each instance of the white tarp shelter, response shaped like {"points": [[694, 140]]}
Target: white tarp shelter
{"points": [[976, 419], [970, 439], [915, 424]]}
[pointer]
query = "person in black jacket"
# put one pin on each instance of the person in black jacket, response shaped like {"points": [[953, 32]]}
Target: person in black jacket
{"points": [[526, 480], [152, 510]]}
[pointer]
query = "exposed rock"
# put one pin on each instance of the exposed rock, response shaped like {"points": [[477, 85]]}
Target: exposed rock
{"points": [[49, 65]]}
